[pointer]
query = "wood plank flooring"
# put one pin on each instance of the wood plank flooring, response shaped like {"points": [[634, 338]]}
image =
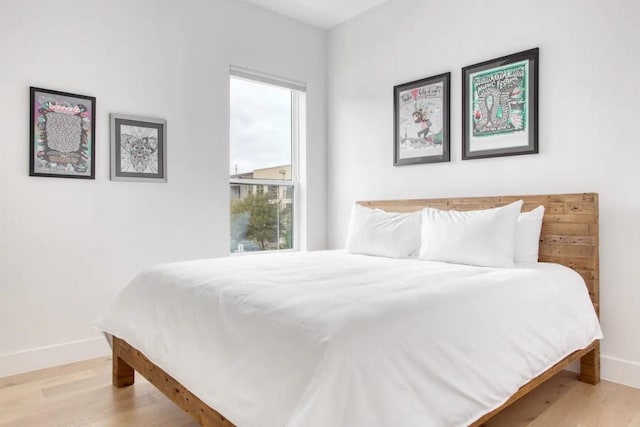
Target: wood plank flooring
{"points": [[80, 394]]}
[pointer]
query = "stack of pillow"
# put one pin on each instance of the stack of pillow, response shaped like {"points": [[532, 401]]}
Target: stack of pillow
{"points": [[499, 237]]}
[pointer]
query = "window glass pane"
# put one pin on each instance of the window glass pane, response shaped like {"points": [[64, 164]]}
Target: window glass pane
{"points": [[260, 131], [261, 217]]}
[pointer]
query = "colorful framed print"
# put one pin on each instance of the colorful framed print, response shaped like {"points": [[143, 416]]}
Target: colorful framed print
{"points": [[62, 134], [138, 148], [500, 106], [421, 125]]}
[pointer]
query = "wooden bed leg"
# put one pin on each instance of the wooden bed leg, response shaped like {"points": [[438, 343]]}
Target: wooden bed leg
{"points": [[123, 374], [590, 366]]}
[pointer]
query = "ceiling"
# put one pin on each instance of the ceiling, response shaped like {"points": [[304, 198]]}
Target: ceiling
{"points": [[319, 13]]}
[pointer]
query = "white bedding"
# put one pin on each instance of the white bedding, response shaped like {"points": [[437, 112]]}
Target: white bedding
{"points": [[322, 339]]}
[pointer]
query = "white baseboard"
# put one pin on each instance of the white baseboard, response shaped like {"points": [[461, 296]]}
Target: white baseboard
{"points": [[612, 369], [615, 370], [620, 371], [53, 355]]}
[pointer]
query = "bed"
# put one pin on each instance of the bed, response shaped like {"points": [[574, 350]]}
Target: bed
{"points": [[330, 338]]}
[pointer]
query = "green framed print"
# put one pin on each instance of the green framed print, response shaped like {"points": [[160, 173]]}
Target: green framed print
{"points": [[500, 106]]}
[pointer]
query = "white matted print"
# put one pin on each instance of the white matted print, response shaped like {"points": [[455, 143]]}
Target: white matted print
{"points": [[138, 148], [421, 121]]}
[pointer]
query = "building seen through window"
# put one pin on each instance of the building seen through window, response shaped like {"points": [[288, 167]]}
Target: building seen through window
{"points": [[262, 165]]}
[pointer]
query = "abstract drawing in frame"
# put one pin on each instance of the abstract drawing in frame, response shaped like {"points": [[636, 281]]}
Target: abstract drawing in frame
{"points": [[421, 121], [62, 134], [138, 148], [500, 106]]}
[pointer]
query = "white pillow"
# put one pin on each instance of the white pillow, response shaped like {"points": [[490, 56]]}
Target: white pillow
{"points": [[528, 235], [380, 233], [484, 237]]}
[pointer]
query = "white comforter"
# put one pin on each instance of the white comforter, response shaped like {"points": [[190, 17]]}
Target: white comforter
{"points": [[333, 339]]}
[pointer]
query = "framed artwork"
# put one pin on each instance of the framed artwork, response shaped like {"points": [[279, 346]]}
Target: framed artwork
{"points": [[138, 148], [421, 121], [500, 106], [62, 134]]}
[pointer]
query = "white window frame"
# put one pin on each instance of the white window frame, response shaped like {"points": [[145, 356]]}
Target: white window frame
{"points": [[298, 109]]}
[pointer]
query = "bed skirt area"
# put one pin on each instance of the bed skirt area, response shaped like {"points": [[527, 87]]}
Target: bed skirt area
{"points": [[127, 360]]}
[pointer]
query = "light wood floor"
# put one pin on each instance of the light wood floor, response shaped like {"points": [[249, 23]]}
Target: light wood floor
{"points": [[81, 394]]}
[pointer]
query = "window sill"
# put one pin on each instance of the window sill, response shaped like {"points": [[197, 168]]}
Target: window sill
{"points": [[272, 251]]}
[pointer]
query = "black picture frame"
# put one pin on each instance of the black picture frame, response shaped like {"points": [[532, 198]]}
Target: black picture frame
{"points": [[62, 134], [415, 141], [138, 148], [514, 79]]}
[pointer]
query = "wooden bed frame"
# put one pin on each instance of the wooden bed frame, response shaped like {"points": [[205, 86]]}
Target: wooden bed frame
{"points": [[569, 236]]}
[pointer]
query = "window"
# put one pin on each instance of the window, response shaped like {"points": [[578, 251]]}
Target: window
{"points": [[263, 169]]}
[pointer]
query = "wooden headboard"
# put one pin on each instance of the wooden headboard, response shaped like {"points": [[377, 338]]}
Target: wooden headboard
{"points": [[569, 229]]}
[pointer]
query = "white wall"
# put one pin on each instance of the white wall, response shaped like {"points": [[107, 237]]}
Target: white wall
{"points": [[68, 246], [589, 91]]}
